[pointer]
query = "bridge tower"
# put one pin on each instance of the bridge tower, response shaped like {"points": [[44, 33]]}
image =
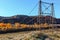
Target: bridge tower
{"points": [[45, 13]]}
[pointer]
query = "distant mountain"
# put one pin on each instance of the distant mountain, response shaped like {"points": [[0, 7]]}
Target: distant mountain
{"points": [[58, 21], [27, 19]]}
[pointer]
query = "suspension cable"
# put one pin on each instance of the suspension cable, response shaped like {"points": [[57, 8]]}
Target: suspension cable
{"points": [[31, 11], [31, 20]]}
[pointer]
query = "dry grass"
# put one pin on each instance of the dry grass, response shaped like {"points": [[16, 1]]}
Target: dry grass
{"points": [[32, 35]]}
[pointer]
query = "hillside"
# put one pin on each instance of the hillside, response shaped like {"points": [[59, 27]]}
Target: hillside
{"points": [[26, 19]]}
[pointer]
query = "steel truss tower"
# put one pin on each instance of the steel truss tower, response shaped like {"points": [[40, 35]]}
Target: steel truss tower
{"points": [[46, 10]]}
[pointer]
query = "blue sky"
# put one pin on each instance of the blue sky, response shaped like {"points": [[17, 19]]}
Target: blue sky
{"points": [[23, 7]]}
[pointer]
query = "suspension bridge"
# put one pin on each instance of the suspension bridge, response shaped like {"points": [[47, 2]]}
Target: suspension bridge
{"points": [[45, 9]]}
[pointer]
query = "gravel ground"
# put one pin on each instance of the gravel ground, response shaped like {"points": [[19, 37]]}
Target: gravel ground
{"points": [[32, 35]]}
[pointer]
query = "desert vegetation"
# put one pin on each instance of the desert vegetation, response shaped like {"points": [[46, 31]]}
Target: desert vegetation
{"points": [[5, 26]]}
